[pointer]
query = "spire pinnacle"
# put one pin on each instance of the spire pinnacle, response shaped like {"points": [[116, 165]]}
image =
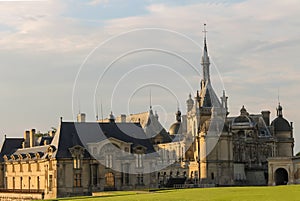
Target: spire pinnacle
{"points": [[150, 99], [205, 59], [205, 31]]}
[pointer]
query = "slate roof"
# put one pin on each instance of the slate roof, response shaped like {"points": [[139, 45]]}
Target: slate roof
{"points": [[70, 134], [281, 124], [9, 146]]}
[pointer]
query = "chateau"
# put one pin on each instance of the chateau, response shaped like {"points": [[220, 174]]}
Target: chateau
{"points": [[204, 147]]}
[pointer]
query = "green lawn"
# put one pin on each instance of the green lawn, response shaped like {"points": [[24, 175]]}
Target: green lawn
{"points": [[280, 193]]}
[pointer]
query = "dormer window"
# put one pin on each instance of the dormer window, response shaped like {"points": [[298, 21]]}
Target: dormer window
{"points": [[77, 154]]}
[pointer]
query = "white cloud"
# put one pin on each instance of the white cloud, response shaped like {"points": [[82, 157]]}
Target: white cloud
{"points": [[97, 2], [254, 44]]}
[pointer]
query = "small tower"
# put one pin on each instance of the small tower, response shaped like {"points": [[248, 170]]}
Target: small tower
{"points": [[283, 131], [224, 100]]}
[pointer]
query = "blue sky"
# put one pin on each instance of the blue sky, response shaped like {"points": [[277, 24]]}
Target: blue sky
{"points": [[253, 44]]}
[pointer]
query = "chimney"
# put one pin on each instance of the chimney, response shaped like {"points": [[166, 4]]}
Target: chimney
{"points": [[123, 118], [26, 139], [32, 138], [266, 117], [81, 117]]}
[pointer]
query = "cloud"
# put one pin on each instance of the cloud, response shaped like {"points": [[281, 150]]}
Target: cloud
{"points": [[97, 2], [253, 43]]}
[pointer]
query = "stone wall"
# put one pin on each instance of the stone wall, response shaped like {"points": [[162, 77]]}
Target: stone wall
{"points": [[20, 196]]}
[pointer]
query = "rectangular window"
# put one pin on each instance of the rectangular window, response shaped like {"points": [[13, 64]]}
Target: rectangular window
{"points": [[14, 183], [138, 160], [6, 184], [77, 162], [77, 180], [50, 182], [50, 165], [109, 161], [125, 174], [21, 182], [37, 166], [140, 179], [95, 174]]}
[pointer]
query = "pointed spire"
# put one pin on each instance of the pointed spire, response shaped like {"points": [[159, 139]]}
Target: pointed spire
{"points": [[150, 101], [205, 59]]}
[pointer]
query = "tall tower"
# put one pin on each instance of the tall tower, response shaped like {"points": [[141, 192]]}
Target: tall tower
{"points": [[205, 122]]}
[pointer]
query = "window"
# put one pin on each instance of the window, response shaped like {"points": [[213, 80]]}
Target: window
{"points": [[95, 151], [29, 167], [109, 161], [77, 154], [38, 183], [138, 160], [212, 176], [77, 162], [29, 182], [50, 182], [95, 175], [14, 183], [125, 174], [21, 182], [37, 166], [50, 165], [13, 168], [77, 180], [140, 179]]}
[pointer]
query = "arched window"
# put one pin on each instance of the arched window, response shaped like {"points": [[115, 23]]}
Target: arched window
{"points": [[109, 180]]}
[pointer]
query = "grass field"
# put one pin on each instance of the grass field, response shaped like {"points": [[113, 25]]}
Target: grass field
{"points": [[277, 193]]}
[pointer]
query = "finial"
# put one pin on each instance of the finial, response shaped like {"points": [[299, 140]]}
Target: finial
{"points": [[278, 97], [150, 99], [97, 110], [204, 30], [61, 119]]}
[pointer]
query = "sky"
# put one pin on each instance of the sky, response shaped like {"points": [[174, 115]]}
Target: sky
{"points": [[96, 56]]}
